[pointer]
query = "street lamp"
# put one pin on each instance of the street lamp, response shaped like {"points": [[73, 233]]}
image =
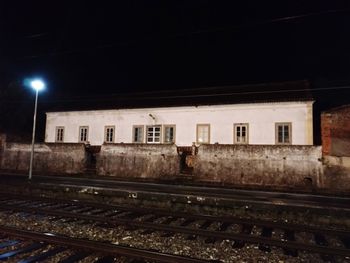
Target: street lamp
{"points": [[37, 85]]}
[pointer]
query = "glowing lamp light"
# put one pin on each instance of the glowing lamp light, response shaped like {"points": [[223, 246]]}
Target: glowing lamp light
{"points": [[37, 84]]}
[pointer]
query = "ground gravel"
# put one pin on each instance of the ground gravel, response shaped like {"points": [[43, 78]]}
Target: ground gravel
{"points": [[178, 244]]}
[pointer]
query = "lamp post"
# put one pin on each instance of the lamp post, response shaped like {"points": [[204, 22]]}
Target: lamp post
{"points": [[37, 85]]}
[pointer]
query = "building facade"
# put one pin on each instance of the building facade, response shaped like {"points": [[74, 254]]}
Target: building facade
{"points": [[264, 123]]}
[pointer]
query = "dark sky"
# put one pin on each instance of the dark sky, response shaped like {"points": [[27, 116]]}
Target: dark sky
{"points": [[102, 47], [140, 45]]}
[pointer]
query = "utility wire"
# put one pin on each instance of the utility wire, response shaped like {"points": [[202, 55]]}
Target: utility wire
{"points": [[197, 32], [127, 96]]}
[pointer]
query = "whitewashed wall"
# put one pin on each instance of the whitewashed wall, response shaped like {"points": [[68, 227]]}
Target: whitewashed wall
{"points": [[260, 116]]}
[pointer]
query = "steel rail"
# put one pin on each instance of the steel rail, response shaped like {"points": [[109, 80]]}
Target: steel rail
{"points": [[261, 196], [232, 220], [190, 231], [105, 248], [290, 200]]}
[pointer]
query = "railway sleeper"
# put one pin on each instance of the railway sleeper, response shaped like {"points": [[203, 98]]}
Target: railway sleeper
{"points": [[71, 208], [31, 203], [26, 249], [136, 261], [187, 222], [84, 210], [245, 229], [322, 241], [131, 215], [152, 218], [289, 236], [205, 225], [222, 228], [346, 242], [114, 213], [106, 259], [96, 212], [165, 222], [43, 256], [77, 256], [266, 232], [17, 202], [8, 243], [55, 206]]}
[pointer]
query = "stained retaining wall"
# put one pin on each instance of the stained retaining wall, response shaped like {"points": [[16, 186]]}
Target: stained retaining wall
{"points": [[49, 158], [138, 160], [262, 165], [337, 173], [282, 166]]}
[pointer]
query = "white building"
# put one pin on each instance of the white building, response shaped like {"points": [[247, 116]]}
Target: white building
{"points": [[259, 117]]}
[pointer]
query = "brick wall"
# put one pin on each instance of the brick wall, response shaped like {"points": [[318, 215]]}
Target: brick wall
{"points": [[335, 130], [326, 122]]}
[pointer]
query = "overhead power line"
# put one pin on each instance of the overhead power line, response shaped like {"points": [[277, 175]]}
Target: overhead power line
{"points": [[115, 96], [187, 34]]}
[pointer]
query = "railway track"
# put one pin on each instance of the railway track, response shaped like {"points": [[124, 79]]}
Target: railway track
{"points": [[28, 246], [241, 232], [285, 199]]}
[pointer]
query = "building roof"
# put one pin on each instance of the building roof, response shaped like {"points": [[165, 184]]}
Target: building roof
{"points": [[257, 93], [342, 108]]}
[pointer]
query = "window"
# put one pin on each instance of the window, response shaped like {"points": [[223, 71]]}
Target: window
{"points": [[59, 134], [241, 133], [109, 133], [203, 133], [169, 133], [83, 133], [137, 134], [153, 134], [283, 133]]}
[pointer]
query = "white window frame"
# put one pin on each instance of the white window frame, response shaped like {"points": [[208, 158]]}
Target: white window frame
{"points": [[59, 137], [134, 133], [107, 138], [169, 126], [153, 136], [238, 139], [283, 124], [81, 136], [199, 126]]}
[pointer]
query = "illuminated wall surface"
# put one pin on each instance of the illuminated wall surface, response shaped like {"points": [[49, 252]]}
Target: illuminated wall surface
{"points": [[261, 118]]}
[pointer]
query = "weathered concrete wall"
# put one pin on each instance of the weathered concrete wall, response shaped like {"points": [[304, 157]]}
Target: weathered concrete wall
{"points": [[337, 173], [138, 160], [49, 158], [283, 166]]}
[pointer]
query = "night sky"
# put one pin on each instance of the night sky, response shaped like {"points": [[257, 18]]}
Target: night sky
{"points": [[85, 49]]}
